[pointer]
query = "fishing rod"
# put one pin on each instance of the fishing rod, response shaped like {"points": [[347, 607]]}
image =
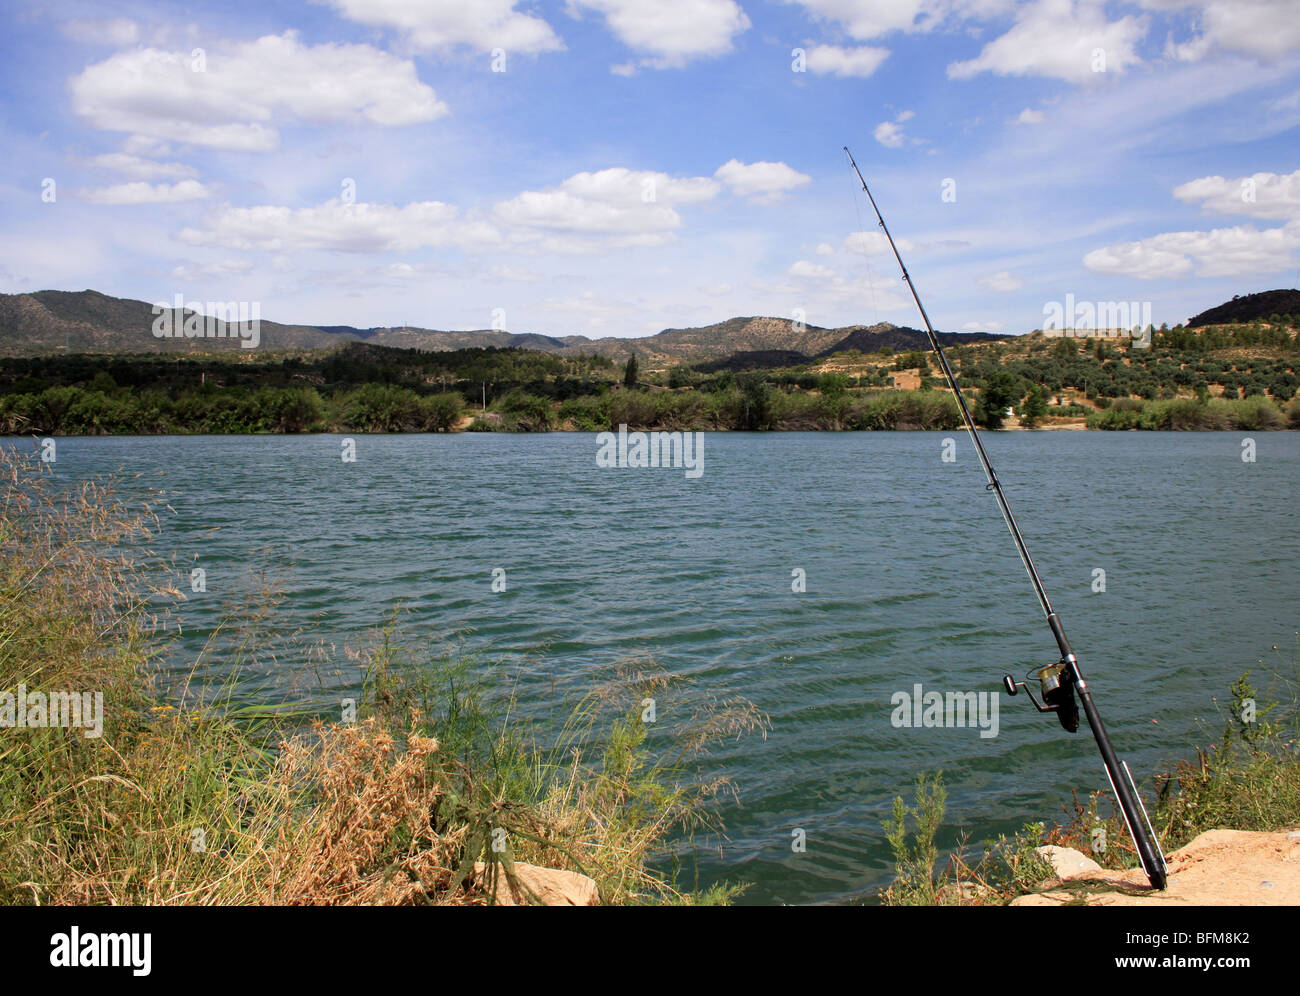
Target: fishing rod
{"points": [[1059, 682]]}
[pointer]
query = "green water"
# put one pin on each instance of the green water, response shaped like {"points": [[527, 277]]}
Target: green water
{"points": [[911, 577]]}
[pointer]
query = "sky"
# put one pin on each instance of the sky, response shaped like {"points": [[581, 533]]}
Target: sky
{"points": [[618, 167]]}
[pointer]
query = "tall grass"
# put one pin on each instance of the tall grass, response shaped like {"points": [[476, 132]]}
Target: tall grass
{"points": [[430, 796]]}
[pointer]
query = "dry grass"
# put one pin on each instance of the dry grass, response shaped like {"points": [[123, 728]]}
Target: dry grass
{"points": [[189, 800]]}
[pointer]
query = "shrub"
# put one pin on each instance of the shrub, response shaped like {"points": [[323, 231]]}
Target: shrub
{"points": [[914, 863], [528, 412], [294, 410], [1114, 418], [634, 409], [380, 408], [682, 411], [587, 414], [1257, 414], [441, 412], [1293, 414]]}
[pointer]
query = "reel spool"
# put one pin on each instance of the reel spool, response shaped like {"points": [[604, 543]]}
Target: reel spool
{"points": [[1057, 690]]}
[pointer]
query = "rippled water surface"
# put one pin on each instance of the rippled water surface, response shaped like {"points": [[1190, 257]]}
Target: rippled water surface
{"points": [[911, 577]]}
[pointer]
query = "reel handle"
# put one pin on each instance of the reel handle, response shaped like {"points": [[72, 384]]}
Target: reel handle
{"points": [[1013, 688], [1058, 695]]}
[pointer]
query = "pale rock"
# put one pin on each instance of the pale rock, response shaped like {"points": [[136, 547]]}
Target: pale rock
{"points": [[1068, 863], [548, 886]]}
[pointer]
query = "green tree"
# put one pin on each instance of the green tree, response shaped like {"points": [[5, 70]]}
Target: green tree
{"points": [[756, 399], [102, 381], [912, 360], [630, 372], [833, 384], [52, 406], [1034, 408], [1000, 392]]}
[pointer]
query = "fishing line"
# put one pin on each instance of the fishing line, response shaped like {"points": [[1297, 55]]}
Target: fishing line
{"points": [[1059, 683], [866, 261]]}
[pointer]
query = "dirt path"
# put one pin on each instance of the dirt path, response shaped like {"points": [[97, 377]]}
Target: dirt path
{"points": [[1218, 868]]}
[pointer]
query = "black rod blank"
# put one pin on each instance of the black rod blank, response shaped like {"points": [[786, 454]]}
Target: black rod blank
{"points": [[1130, 804]]}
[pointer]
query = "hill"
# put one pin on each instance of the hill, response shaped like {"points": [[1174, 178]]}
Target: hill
{"points": [[90, 322], [901, 338], [1250, 308], [49, 322]]}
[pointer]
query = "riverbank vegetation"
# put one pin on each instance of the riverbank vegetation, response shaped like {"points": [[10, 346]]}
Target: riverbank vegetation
{"points": [[191, 795], [1216, 377], [1248, 778]]}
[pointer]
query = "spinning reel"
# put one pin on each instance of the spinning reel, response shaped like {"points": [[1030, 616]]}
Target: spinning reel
{"points": [[1057, 688]]}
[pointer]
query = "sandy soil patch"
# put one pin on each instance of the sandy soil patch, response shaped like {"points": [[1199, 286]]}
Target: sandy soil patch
{"points": [[1218, 868]]}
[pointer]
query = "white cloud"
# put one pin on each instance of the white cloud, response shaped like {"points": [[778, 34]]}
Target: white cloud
{"points": [[671, 32], [1263, 195], [815, 271], [408, 271], [116, 31], [1236, 251], [1264, 29], [1059, 39], [145, 146], [145, 193], [622, 187], [588, 212], [822, 287], [234, 102], [616, 207], [1242, 250], [1003, 282], [889, 134], [864, 19], [874, 244], [763, 182], [442, 24], [824, 249], [861, 61], [515, 274], [595, 310], [982, 327], [140, 168], [1030, 116], [334, 225], [1193, 50], [205, 271]]}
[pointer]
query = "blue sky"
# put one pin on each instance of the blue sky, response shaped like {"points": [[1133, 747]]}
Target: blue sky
{"points": [[616, 167]]}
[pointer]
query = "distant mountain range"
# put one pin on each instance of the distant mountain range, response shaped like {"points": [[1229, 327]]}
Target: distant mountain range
{"points": [[47, 322]]}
